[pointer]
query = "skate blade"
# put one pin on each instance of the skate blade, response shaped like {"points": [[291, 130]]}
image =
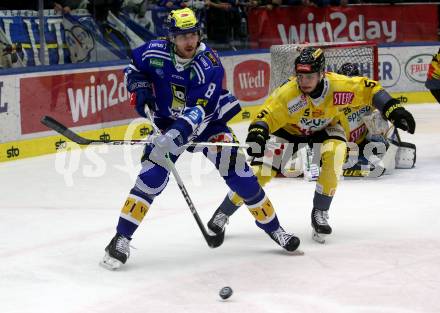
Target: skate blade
{"points": [[320, 238], [297, 252], [110, 263]]}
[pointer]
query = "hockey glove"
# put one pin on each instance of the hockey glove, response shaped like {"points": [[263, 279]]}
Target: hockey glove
{"points": [[170, 142], [140, 98], [256, 139], [399, 116]]}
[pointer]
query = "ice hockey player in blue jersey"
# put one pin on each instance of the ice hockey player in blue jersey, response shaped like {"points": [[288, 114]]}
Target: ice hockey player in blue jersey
{"points": [[180, 80]]}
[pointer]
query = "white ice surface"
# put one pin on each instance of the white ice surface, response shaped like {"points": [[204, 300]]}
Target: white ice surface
{"points": [[384, 254]]}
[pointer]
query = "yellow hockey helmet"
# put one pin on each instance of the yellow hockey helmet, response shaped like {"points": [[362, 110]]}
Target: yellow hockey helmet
{"points": [[182, 21]]}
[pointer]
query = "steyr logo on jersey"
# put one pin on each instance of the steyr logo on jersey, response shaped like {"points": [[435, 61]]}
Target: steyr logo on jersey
{"points": [[251, 80], [12, 152], [179, 97], [3, 106], [343, 97], [357, 133]]}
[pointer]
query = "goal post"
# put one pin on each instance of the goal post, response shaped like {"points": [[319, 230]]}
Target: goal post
{"points": [[362, 53]]}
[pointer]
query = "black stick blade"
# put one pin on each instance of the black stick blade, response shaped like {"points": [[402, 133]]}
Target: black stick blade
{"points": [[63, 130]]}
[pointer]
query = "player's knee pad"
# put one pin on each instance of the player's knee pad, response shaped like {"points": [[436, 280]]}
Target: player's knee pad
{"points": [[152, 179]]}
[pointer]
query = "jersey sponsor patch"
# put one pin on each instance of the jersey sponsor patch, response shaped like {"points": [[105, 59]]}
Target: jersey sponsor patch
{"points": [[211, 58], [343, 97], [204, 63], [355, 134], [156, 62], [309, 126], [194, 114], [202, 102], [156, 45], [356, 116], [296, 104], [177, 77]]}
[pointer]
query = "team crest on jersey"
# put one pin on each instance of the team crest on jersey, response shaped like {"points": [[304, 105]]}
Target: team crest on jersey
{"points": [[296, 104], [211, 58], [179, 97], [343, 97]]}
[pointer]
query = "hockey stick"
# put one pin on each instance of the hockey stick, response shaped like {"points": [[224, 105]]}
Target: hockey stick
{"points": [[75, 137], [212, 241]]}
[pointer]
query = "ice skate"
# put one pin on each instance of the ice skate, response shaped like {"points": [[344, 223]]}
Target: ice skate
{"points": [[284, 239], [216, 224], [116, 253], [320, 226]]}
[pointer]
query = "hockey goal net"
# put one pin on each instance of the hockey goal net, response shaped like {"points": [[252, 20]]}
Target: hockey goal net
{"points": [[363, 53]]}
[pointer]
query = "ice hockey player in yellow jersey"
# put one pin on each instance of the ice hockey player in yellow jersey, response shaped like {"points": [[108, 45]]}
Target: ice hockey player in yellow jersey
{"points": [[433, 78], [305, 110]]}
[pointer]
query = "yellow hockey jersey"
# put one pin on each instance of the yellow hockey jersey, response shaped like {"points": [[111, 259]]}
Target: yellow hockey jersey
{"points": [[433, 77], [289, 108], [353, 123]]}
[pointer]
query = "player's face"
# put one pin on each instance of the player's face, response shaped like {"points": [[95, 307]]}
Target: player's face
{"points": [[308, 81], [186, 44]]}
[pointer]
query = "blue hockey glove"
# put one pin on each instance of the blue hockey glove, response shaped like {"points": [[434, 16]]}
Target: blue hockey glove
{"points": [[140, 98]]}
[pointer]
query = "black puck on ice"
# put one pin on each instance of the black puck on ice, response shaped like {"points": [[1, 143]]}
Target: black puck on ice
{"points": [[225, 292]]}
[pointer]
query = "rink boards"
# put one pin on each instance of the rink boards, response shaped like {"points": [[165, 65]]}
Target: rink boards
{"points": [[94, 100]]}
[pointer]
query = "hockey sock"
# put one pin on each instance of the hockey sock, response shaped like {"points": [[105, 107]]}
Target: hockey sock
{"points": [[265, 216], [132, 214], [228, 206]]}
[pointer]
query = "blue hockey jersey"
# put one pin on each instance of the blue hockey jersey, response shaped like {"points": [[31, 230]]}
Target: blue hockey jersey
{"points": [[187, 97]]}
